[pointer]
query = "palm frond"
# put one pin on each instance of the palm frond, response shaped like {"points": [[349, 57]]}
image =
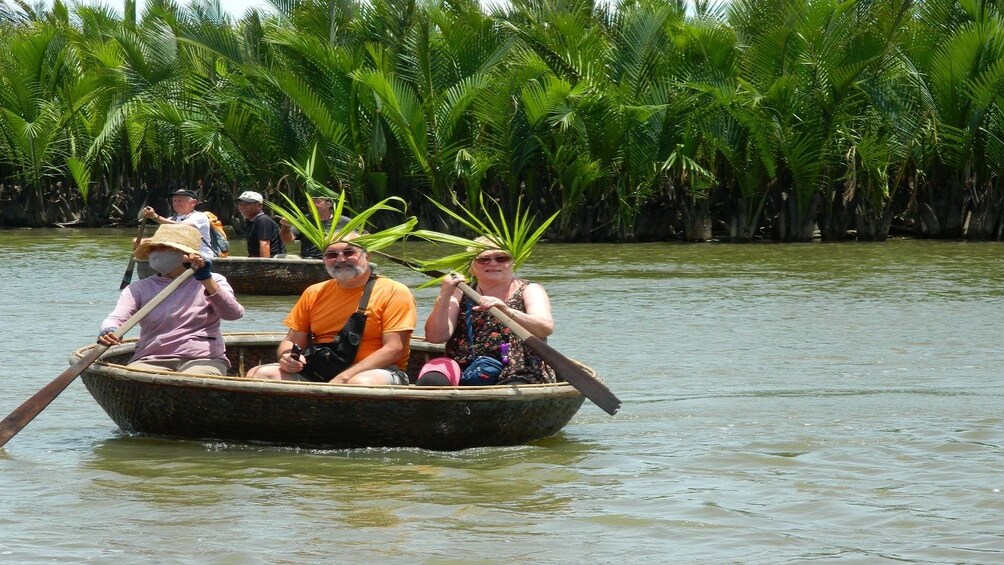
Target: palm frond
{"points": [[517, 236], [312, 229]]}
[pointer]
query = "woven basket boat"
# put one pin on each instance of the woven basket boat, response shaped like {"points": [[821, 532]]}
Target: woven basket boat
{"points": [[322, 415], [262, 275]]}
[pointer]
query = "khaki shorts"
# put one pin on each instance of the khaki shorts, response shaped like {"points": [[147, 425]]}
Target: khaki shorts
{"points": [[395, 376], [213, 367]]}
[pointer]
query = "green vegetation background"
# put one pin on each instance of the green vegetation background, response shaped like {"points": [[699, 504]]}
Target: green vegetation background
{"points": [[775, 119]]}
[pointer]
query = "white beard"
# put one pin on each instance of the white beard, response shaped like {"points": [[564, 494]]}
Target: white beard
{"points": [[343, 272]]}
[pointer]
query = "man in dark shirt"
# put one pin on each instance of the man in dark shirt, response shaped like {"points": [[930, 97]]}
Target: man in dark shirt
{"points": [[263, 233], [325, 210]]}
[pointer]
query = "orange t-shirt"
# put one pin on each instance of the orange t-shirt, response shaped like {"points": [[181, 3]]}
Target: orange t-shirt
{"points": [[324, 308]]}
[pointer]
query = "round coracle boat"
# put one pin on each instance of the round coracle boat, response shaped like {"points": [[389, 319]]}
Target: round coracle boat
{"points": [[323, 415], [262, 275]]}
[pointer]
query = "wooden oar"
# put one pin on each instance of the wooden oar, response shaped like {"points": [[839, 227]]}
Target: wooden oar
{"points": [[25, 413], [571, 372], [127, 277]]}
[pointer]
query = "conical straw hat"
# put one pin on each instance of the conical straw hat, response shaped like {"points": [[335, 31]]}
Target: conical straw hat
{"points": [[183, 237]]}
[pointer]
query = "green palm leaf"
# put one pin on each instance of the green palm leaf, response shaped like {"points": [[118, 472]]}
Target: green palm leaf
{"points": [[311, 228], [517, 235]]}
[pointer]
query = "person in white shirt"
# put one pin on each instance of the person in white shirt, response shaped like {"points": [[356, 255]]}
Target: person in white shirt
{"points": [[183, 201]]}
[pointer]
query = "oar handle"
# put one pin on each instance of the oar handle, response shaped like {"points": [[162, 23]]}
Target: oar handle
{"points": [[32, 407]]}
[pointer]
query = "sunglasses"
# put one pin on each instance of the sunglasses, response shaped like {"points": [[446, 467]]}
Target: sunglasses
{"points": [[346, 253], [500, 259]]}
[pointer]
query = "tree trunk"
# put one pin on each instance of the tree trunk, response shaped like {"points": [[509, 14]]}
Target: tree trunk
{"points": [[871, 224], [836, 219], [740, 230], [793, 226]]}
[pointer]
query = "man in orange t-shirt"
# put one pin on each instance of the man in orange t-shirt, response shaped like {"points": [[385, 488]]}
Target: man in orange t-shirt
{"points": [[324, 308]]}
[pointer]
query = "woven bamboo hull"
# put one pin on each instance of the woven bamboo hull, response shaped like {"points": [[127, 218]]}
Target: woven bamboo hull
{"points": [[321, 414], [259, 275]]}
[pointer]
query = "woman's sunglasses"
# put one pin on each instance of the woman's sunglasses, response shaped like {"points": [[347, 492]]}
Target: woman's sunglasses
{"points": [[500, 259]]}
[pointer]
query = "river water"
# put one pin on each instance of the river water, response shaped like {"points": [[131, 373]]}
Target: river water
{"points": [[782, 404]]}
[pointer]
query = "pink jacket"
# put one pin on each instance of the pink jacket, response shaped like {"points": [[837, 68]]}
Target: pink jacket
{"points": [[185, 325]]}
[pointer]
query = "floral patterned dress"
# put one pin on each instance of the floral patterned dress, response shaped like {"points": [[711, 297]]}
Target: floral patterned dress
{"points": [[489, 334]]}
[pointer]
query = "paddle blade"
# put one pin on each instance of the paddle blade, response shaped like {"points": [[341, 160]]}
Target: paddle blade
{"points": [[127, 277], [25, 413], [575, 375]]}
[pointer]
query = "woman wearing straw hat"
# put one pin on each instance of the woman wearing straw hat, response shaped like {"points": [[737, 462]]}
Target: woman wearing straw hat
{"points": [[183, 332]]}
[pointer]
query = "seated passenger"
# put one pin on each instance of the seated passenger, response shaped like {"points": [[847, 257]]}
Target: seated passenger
{"points": [[183, 332], [471, 331], [325, 211], [263, 233], [330, 340]]}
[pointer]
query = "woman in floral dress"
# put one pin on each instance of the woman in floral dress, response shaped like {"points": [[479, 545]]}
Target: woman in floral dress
{"points": [[524, 301]]}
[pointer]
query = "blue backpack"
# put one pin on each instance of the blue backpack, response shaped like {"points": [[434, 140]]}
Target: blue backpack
{"points": [[483, 370], [217, 236]]}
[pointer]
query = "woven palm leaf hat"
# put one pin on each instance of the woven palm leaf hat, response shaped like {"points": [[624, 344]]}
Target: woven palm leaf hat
{"points": [[182, 237]]}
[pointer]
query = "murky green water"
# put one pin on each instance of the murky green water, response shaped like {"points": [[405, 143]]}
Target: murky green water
{"points": [[781, 404]]}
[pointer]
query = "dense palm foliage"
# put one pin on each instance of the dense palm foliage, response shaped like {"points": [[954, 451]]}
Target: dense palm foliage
{"points": [[644, 120]]}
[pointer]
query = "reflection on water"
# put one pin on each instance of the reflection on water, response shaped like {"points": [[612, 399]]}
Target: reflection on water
{"points": [[357, 488], [782, 403]]}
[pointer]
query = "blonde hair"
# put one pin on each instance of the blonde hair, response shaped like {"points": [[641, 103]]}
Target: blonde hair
{"points": [[487, 241]]}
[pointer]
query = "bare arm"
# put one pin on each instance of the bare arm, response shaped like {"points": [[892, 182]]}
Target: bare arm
{"points": [[150, 214], [264, 248], [442, 321], [285, 233], [537, 318], [287, 364]]}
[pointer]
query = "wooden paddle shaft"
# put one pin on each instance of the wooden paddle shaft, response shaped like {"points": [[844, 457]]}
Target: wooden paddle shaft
{"points": [[571, 372], [507, 321], [32, 407], [127, 277]]}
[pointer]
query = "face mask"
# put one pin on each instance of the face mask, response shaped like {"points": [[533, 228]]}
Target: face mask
{"points": [[166, 262]]}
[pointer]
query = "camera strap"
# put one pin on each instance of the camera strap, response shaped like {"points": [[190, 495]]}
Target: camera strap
{"points": [[365, 300], [325, 360], [356, 322], [468, 314]]}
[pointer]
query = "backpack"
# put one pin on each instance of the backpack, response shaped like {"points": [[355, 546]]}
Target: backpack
{"points": [[217, 236]]}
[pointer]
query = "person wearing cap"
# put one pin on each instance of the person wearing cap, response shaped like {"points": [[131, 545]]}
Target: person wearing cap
{"points": [[183, 201], [183, 332], [263, 233], [323, 316], [326, 211]]}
